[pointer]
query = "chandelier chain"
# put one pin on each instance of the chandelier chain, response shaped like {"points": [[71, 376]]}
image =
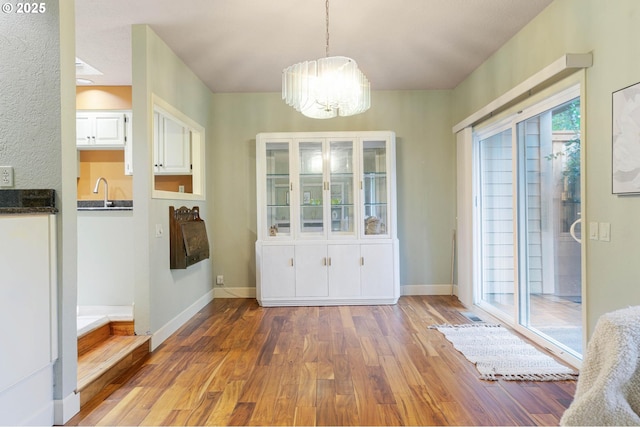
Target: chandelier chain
{"points": [[327, 28]]}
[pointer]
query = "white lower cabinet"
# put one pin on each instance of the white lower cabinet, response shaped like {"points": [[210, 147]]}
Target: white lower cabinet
{"points": [[327, 274], [311, 271], [344, 270], [28, 292], [376, 273], [278, 270]]}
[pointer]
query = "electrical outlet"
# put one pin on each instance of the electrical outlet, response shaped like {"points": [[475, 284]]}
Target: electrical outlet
{"points": [[220, 279], [6, 176]]}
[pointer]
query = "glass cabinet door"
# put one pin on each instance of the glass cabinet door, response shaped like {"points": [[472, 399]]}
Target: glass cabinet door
{"points": [[341, 179], [311, 187], [374, 188], [277, 191]]}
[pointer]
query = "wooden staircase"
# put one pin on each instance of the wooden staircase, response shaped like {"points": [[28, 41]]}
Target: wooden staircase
{"points": [[105, 354]]}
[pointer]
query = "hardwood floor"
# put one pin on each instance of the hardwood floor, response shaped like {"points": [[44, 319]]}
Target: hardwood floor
{"points": [[236, 363]]}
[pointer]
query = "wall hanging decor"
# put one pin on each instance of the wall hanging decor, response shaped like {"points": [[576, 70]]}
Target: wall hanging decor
{"points": [[625, 130], [188, 239]]}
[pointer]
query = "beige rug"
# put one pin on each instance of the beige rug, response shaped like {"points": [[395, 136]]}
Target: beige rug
{"points": [[499, 354]]}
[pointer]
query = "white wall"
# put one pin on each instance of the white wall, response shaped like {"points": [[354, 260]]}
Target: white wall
{"points": [[36, 117], [67, 401], [106, 258], [30, 101]]}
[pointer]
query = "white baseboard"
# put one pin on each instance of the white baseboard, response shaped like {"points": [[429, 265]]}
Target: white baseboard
{"points": [[66, 408], [29, 401], [174, 324], [428, 289], [41, 416], [229, 292], [247, 292]]}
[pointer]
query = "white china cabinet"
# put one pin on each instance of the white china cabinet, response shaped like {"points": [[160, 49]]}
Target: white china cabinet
{"points": [[326, 218]]}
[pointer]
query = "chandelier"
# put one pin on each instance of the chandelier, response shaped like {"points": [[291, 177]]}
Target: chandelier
{"points": [[327, 87]]}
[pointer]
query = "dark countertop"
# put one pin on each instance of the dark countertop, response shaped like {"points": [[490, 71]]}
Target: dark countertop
{"points": [[28, 201], [98, 205]]}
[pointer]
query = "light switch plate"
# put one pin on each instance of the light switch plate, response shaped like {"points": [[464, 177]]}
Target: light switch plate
{"points": [[593, 230], [604, 231], [159, 230]]}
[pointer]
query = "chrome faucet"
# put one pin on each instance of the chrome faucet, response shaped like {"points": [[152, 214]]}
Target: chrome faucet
{"points": [[107, 203]]}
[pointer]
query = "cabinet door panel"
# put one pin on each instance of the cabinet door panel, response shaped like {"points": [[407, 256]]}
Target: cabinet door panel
{"points": [[128, 146], [375, 189], [278, 272], [312, 188], [84, 130], [109, 129], [176, 150], [278, 188], [311, 271], [344, 270], [157, 144], [377, 270], [342, 186]]}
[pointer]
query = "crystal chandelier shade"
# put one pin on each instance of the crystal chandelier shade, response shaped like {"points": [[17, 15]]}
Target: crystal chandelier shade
{"points": [[327, 87]]}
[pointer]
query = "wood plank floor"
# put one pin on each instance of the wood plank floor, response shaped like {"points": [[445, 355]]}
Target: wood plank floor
{"points": [[236, 363]]}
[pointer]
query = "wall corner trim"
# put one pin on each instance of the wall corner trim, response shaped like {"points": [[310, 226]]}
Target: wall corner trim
{"points": [[66, 408], [567, 63]]}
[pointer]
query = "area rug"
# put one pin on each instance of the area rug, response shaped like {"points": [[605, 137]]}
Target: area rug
{"points": [[499, 354]]}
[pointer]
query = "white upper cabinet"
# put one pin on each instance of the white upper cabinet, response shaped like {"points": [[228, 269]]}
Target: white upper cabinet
{"points": [[101, 129], [326, 182], [325, 196], [172, 146]]}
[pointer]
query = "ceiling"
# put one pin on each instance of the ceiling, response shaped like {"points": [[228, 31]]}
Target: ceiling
{"points": [[243, 45]]}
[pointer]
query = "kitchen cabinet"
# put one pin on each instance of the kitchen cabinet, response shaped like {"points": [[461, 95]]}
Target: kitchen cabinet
{"points": [[101, 130], [172, 145], [106, 130], [29, 318], [329, 199]]}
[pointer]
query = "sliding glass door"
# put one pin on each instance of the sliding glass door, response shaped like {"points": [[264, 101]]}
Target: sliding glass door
{"points": [[496, 220], [549, 224], [528, 222]]}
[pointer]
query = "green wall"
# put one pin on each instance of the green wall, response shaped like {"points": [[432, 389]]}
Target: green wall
{"points": [[425, 176], [162, 295], [610, 30]]}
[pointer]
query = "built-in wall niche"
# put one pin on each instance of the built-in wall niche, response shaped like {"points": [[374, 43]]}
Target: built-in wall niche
{"points": [[178, 154]]}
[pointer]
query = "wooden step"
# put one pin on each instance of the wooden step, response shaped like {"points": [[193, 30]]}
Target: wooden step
{"points": [[101, 332], [106, 361]]}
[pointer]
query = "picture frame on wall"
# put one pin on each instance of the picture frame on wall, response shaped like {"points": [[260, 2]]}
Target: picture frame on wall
{"points": [[625, 139]]}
